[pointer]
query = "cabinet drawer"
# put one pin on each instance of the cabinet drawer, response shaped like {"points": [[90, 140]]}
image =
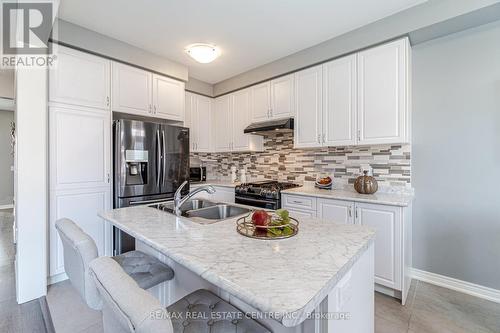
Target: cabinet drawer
{"points": [[298, 214], [300, 202]]}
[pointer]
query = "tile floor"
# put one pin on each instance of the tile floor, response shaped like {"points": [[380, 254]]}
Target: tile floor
{"points": [[26, 317], [433, 309], [430, 309]]}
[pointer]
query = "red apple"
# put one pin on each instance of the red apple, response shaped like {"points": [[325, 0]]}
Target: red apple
{"points": [[260, 218]]}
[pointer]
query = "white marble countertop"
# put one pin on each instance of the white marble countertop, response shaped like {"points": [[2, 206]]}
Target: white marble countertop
{"points": [[222, 183], [393, 199], [287, 277]]}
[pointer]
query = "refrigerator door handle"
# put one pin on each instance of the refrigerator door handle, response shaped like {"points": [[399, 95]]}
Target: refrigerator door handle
{"points": [[158, 158], [164, 152]]}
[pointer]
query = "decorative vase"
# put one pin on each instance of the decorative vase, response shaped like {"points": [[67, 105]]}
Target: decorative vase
{"points": [[366, 184]]}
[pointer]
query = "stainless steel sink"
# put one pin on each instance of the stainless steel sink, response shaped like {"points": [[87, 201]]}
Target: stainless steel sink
{"points": [[204, 211], [187, 206], [218, 212]]}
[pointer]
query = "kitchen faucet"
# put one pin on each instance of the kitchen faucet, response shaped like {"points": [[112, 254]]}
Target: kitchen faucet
{"points": [[179, 201]]}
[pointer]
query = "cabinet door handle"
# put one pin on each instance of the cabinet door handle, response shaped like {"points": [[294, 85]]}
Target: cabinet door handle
{"points": [[271, 112], [319, 138], [324, 137], [150, 109], [108, 178], [350, 211], [359, 135], [107, 101], [154, 107]]}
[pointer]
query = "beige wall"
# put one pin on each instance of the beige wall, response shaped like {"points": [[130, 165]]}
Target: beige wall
{"points": [[7, 83], [6, 158], [200, 87], [429, 20], [92, 41], [456, 156]]}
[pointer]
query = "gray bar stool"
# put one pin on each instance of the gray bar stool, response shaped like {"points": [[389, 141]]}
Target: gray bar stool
{"points": [[80, 249], [127, 308]]}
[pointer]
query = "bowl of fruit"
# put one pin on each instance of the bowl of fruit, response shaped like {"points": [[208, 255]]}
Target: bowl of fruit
{"points": [[324, 182], [268, 225]]}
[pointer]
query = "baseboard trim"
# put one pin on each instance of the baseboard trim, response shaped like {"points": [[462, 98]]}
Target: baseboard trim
{"points": [[47, 318], [468, 288], [56, 278]]}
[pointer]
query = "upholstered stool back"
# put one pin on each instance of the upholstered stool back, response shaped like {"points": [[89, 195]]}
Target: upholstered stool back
{"points": [[79, 251], [127, 307]]}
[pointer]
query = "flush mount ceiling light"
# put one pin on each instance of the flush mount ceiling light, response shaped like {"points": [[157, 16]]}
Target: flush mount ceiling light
{"points": [[203, 53]]}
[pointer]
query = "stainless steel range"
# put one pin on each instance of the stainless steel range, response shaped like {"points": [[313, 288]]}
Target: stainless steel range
{"points": [[263, 194]]}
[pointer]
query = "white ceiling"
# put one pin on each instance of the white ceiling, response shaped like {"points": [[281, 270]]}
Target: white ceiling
{"points": [[250, 33]]}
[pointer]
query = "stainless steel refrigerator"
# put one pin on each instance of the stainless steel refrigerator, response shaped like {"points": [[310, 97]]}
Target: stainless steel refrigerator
{"points": [[151, 160]]}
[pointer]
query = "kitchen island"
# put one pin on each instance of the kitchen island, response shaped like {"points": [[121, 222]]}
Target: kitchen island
{"points": [[290, 285]]}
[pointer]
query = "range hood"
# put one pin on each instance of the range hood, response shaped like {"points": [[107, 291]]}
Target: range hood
{"points": [[269, 127]]}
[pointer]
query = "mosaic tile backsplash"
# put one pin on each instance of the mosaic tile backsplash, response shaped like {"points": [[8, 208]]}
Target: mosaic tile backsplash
{"points": [[280, 161]]}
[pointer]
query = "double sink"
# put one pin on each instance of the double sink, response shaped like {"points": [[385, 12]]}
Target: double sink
{"points": [[204, 211]]}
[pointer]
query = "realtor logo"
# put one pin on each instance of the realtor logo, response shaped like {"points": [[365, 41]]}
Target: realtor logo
{"points": [[26, 27]]}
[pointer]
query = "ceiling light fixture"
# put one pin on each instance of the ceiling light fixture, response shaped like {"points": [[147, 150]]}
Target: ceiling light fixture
{"points": [[203, 53]]}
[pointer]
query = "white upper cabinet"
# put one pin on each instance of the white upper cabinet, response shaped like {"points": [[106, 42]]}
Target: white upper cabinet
{"points": [[198, 117], [364, 99], [189, 117], [132, 90], [204, 120], [231, 117], [308, 107], [261, 102], [337, 211], [80, 148], [339, 102], [168, 98], [140, 92], [282, 93], [383, 109], [80, 79], [273, 99], [240, 103], [223, 128]]}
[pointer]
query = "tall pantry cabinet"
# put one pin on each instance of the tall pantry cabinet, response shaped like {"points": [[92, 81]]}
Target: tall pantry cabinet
{"points": [[79, 149]]}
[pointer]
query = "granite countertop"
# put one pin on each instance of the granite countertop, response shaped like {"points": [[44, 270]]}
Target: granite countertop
{"points": [[287, 277], [222, 183], [383, 198]]}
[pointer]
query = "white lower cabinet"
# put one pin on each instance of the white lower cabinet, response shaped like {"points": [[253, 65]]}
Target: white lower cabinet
{"points": [[300, 213], [392, 240], [336, 210], [81, 206], [386, 220]]}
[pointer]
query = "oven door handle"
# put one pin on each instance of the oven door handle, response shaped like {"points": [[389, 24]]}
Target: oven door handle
{"points": [[254, 200]]}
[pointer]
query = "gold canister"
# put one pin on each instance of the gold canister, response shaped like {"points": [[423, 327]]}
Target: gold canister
{"points": [[366, 184]]}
